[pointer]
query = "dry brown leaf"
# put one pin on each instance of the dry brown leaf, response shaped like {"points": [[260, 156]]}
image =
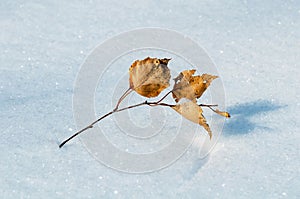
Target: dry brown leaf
{"points": [[223, 113], [189, 86], [150, 76], [193, 112]]}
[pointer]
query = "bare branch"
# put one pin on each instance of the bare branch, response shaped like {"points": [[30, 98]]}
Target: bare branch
{"points": [[115, 111]]}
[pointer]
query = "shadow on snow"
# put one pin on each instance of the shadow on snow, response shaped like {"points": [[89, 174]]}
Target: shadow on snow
{"points": [[241, 123]]}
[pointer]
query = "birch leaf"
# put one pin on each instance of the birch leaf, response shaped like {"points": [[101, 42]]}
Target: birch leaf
{"points": [[189, 86], [222, 113], [150, 76], [193, 112]]}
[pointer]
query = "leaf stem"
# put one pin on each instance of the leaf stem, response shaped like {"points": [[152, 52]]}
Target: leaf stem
{"points": [[164, 96], [210, 107], [127, 92]]}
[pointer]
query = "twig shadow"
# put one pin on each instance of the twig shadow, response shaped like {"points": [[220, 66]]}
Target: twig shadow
{"points": [[241, 123]]}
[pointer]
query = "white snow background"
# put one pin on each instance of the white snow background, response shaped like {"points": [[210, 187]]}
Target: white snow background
{"points": [[255, 45]]}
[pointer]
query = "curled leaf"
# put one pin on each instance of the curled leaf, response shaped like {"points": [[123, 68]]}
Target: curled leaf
{"points": [[150, 76], [189, 86], [193, 112], [223, 113]]}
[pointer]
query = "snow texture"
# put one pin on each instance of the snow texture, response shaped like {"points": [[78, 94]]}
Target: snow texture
{"points": [[255, 46]]}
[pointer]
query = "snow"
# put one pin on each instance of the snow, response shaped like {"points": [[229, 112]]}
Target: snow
{"points": [[255, 46]]}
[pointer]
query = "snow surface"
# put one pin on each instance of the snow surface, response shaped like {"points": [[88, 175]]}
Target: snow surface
{"points": [[255, 45]]}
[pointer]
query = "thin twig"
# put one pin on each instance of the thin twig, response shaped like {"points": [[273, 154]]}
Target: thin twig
{"points": [[84, 129], [111, 112]]}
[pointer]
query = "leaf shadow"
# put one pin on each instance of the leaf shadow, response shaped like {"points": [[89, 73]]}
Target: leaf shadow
{"points": [[242, 114]]}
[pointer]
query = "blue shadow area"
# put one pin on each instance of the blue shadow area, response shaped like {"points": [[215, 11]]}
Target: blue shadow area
{"points": [[241, 123]]}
